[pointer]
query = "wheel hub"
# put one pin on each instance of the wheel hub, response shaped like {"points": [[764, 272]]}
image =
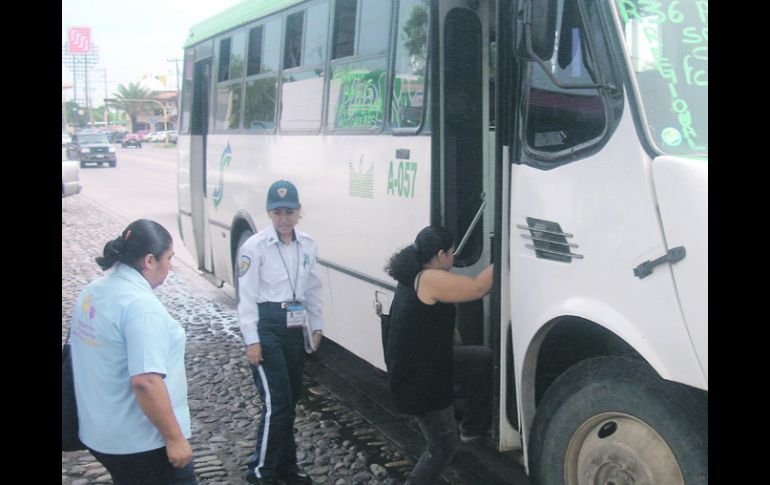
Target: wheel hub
{"points": [[619, 449]]}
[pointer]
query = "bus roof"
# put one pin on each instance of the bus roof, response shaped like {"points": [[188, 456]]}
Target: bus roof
{"points": [[238, 14]]}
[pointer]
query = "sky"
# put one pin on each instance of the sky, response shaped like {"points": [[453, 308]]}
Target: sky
{"points": [[135, 39]]}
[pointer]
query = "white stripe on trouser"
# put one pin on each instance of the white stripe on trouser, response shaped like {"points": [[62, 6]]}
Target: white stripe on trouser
{"points": [[268, 407]]}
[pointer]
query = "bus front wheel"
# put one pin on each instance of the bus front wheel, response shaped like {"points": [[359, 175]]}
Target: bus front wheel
{"points": [[613, 420]]}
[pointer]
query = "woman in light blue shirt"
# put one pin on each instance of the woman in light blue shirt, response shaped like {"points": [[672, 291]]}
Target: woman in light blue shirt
{"points": [[128, 364]]}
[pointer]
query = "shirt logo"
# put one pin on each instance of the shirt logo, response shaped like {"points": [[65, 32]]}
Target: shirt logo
{"points": [[87, 307], [243, 265], [306, 260]]}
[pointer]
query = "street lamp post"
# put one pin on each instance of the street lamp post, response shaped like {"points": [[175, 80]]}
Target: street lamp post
{"points": [[163, 106]]}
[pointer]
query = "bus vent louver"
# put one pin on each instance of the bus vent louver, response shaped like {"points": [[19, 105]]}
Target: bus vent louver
{"points": [[549, 241]]}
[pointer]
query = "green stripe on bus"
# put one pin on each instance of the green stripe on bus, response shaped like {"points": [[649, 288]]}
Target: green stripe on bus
{"points": [[237, 15]]}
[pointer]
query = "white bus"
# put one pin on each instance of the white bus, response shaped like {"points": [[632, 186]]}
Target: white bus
{"points": [[567, 139]]}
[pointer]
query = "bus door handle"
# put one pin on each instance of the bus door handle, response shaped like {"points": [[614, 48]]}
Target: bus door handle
{"points": [[672, 256], [472, 225]]}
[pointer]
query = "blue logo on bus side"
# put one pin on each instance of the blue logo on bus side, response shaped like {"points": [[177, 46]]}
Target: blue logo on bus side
{"points": [[223, 163]]}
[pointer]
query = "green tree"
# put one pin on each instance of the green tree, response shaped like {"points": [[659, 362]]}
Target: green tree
{"points": [[131, 92], [74, 119], [416, 31]]}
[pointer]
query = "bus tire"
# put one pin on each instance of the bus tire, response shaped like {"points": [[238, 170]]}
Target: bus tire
{"points": [[241, 239], [614, 420]]}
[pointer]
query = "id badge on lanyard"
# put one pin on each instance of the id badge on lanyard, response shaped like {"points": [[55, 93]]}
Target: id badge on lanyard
{"points": [[295, 316]]}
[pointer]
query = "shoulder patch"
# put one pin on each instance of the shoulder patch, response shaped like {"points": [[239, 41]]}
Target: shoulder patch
{"points": [[243, 265]]}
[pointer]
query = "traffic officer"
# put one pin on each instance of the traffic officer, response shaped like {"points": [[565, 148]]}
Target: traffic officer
{"points": [[280, 317]]}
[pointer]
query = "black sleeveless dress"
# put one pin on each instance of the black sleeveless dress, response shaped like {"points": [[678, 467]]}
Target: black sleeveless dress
{"points": [[419, 353]]}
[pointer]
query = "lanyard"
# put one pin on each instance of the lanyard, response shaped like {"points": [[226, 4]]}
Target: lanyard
{"points": [[296, 278]]}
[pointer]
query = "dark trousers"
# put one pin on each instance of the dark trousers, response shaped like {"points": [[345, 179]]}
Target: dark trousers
{"points": [[145, 468], [279, 381], [472, 367], [439, 429]]}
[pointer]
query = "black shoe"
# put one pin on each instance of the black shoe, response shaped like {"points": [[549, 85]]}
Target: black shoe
{"points": [[297, 478], [252, 478]]}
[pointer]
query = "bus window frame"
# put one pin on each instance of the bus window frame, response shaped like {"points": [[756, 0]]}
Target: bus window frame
{"points": [[420, 129], [356, 57], [602, 64], [351, 60], [263, 22], [324, 66], [230, 82]]}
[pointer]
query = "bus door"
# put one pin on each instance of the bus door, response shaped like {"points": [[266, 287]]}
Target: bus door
{"points": [[199, 131], [462, 179], [464, 194]]}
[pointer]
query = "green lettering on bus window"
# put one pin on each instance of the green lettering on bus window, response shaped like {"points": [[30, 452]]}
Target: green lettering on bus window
{"points": [[675, 34], [360, 103], [401, 180], [408, 98]]}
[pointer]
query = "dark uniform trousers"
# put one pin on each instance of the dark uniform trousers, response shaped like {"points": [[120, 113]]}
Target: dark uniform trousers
{"points": [[279, 380]]}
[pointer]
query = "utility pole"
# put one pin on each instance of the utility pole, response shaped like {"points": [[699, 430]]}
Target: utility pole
{"points": [[106, 108], [79, 64], [176, 61], [64, 107]]}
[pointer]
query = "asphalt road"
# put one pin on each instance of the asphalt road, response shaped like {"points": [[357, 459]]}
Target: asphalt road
{"points": [[142, 185]]}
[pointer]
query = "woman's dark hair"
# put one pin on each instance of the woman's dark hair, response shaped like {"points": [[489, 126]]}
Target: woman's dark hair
{"points": [[139, 239], [405, 264]]}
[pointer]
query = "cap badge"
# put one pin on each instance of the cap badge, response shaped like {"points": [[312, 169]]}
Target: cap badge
{"points": [[282, 192]]}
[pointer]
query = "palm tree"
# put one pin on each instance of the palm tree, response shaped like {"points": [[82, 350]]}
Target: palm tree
{"points": [[131, 92]]}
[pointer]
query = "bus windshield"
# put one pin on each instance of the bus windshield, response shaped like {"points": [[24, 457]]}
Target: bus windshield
{"points": [[667, 45]]}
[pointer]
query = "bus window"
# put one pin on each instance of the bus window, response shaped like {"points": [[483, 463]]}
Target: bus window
{"points": [[293, 45], [560, 119], [231, 57], [229, 88], [356, 95], [358, 86], [315, 36], [228, 108], [410, 67], [344, 28], [374, 30], [186, 105], [302, 84], [224, 60], [261, 76]]}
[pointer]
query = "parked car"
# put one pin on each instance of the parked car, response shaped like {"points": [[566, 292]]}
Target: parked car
{"points": [[173, 135], [66, 139], [131, 140], [155, 136], [116, 136], [91, 148], [70, 178]]}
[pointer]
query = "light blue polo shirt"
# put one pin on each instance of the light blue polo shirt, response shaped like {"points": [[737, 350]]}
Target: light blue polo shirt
{"points": [[120, 329]]}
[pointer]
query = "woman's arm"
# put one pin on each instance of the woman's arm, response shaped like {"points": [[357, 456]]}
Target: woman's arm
{"points": [[152, 394], [439, 285]]}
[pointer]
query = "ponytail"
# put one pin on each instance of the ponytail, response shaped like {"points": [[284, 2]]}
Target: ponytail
{"points": [[140, 238], [405, 264]]}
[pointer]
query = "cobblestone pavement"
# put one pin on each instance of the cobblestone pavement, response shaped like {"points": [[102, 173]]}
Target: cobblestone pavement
{"points": [[336, 445]]}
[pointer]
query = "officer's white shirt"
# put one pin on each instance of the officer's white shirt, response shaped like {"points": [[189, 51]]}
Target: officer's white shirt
{"points": [[263, 277]]}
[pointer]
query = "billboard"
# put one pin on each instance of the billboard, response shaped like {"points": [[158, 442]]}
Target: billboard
{"points": [[79, 40]]}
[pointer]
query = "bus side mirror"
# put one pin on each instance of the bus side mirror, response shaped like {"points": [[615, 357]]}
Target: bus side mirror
{"points": [[536, 27]]}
